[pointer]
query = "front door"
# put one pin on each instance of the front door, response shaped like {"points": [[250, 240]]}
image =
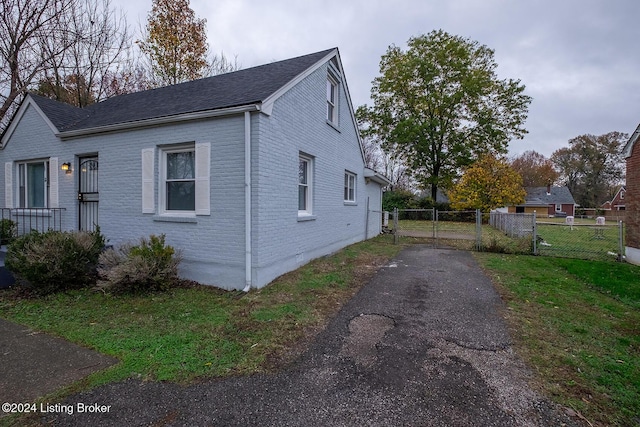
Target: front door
{"points": [[88, 194]]}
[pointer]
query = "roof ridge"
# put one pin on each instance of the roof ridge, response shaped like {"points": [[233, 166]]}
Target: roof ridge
{"points": [[237, 88]]}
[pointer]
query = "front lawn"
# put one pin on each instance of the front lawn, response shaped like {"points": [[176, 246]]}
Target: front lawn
{"points": [[577, 324], [199, 331]]}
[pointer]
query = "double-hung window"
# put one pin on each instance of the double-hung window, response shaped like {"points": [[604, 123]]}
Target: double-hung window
{"points": [[33, 184], [332, 100], [179, 180], [349, 187], [183, 178], [305, 188]]}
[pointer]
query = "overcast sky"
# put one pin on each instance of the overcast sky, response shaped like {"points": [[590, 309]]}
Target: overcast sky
{"points": [[579, 59]]}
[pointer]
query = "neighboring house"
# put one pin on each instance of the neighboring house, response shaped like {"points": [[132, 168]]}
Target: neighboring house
{"points": [[441, 196], [250, 174], [631, 153], [618, 201], [549, 201]]}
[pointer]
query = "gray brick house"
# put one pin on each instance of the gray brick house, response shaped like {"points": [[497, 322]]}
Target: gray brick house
{"points": [[251, 174]]}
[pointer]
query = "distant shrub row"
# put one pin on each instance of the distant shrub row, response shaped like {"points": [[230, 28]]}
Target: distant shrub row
{"points": [[402, 199]]}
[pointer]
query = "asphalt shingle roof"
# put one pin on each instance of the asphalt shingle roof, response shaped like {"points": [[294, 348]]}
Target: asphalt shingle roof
{"points": [[243, 87], [558, 195]]}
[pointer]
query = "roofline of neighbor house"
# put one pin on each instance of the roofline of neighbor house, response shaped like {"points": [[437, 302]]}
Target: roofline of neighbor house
{"points": [[628, 148]]}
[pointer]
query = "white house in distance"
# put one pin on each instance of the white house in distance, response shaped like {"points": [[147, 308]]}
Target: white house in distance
{"points": [[250, 174]]}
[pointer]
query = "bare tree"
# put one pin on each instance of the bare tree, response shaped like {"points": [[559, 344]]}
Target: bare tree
{"points": [[33, 34], [591, 165], [99, 47], [536, 170], [220, 64]]}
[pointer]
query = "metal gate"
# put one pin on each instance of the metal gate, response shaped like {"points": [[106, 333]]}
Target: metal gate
{"points": [[442, 229], [88, 194]]}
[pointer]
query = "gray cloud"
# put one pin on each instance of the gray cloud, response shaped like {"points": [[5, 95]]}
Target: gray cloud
{"points": [[579, 59]]}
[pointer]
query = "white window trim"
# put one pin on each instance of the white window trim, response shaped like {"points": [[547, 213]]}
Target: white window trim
{"points": [[558, 207], [348, 176], [162, 199], [335, 104], [47, 181], [309, 199]]}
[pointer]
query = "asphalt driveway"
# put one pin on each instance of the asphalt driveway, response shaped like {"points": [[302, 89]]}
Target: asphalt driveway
{"points": [[423, 344]]}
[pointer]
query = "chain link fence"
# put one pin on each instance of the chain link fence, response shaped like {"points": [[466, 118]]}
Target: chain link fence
{"points": [[510, 233], [585, 238], [442, 229]]}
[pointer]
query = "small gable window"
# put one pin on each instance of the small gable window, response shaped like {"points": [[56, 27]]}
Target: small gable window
{"points": [[332, 100]]}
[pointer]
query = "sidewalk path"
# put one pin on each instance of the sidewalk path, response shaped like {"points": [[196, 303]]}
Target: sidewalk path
{"points": [[423, 344], [33, 364]]}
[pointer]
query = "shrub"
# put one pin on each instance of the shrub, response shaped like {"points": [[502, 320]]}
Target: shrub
{"points": [[520, 245], [149, 266], [54, 260], [7, 231]]}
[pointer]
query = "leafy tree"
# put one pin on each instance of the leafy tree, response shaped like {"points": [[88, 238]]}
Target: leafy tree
{"points": [[567, 162], [488, 184], [375, 155], [591, 165], [175, 43], [536, 170], [439, 105]]}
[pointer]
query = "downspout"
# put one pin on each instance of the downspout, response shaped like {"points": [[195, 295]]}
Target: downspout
{"points": [[247, 199]]}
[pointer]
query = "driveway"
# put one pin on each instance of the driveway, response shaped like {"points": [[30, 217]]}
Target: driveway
{"points": [[423, 344]]}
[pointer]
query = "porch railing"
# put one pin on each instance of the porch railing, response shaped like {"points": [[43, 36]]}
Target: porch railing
{"points": [[20, 221]]}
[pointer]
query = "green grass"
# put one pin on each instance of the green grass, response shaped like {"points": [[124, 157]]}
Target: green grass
{"points": [[577, 323], [584, 241], [587, 242], [461, 235], [199, 331]]}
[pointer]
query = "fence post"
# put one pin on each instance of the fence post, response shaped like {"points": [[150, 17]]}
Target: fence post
{"points": [[395, 226], [433, 224], [620, 241], [435, 229], [535, 234], [478, 230]]}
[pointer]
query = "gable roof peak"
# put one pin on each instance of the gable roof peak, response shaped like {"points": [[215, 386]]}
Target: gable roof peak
{"points": [[245, 87]]}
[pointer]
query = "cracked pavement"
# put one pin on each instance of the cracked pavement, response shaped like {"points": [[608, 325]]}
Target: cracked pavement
{"points": [[423, 344]]}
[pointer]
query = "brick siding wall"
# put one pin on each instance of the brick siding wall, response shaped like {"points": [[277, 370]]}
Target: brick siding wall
{"points": [[213, 246]]}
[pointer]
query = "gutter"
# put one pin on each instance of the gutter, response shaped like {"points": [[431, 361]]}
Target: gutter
{"points": [[247, 200], [371, 175], [156, 121]]}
